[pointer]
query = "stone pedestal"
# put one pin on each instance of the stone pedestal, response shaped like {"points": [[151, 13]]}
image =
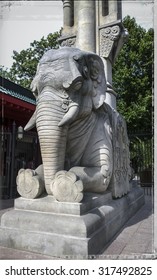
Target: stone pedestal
{"points": [[52, 228]]}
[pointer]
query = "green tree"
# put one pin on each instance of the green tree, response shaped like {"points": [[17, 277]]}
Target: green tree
{"points": [[4, 72], [132, 77], [25, 62]]}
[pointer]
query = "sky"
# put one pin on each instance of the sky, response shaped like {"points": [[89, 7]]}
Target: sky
{"points": [[22, 22]]}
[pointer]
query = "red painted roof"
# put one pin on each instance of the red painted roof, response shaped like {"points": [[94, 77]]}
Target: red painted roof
{"points": [[16, 103]]}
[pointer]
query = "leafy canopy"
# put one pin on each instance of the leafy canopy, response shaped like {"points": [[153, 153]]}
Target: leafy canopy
{"points": [[132, 77]]}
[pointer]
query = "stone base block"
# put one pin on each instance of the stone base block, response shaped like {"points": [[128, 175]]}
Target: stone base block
{"points": [[52, 228]]}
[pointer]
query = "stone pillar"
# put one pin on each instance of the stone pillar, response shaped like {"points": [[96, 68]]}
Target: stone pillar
{"points": [[96, 27], [12, 185], [113, 6], [67, 13], [110, 94], [68, 36], [76, 8], [86, 26], [110, 39]]}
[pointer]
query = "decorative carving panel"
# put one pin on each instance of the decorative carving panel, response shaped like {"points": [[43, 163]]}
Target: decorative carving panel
{"points": [[108, 36], [121, 157], [70, 42]]}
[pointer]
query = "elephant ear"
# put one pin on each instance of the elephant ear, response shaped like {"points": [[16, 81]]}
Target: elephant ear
{"points": [[97, 75]]}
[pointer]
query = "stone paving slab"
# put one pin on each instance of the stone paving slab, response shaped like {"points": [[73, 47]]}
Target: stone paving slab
{"points": [[12, 254], [134, 240], [136, 237]]}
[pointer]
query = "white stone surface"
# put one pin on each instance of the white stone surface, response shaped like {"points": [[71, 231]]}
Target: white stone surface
{"points": [[74, 130], [59, 234]]}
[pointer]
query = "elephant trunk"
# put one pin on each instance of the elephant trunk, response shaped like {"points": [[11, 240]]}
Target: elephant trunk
{"points": [[52, 138]]}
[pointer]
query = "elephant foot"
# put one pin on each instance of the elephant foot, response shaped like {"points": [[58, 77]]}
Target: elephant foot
{"points": [[29, 183], [66, 188]]}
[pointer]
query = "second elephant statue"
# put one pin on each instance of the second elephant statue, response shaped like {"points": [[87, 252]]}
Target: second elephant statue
{"points": [[73, 126]]}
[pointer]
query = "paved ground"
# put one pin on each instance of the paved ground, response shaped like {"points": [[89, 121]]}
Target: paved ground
{"points": [[134, 241], [136, 237]]}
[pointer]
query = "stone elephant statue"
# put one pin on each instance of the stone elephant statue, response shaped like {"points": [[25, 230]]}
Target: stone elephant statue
{"points": [[73, 127]]}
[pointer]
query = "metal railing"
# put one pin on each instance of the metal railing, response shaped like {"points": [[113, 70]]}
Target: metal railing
{"points": [[16, 154], [141, 158]]}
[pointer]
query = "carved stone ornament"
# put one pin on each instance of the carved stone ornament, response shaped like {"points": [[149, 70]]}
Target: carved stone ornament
{"points": [[108, 36], [68, 42], [121, 157], [75, 131]]}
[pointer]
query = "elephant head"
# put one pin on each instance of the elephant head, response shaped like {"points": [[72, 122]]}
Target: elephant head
{"points": [[68, 85]]}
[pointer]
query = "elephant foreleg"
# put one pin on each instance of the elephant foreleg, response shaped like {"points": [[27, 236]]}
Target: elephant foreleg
{"points": [[94, 179], [96, 165], [95, 170], [30, 183], [68, 186]]}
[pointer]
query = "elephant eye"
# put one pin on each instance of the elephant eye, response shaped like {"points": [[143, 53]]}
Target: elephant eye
{"points": [[95, 69], [85, 72], [76, 57]]}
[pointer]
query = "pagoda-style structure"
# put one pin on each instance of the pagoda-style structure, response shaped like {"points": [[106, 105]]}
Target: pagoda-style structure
{"points": [[17, 148]]}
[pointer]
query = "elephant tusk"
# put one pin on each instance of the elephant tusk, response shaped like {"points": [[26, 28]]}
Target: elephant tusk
{"points": [[31, 123], [70, 115]]}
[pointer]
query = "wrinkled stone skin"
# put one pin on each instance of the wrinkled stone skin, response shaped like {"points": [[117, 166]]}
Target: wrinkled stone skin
{"points": [[72, 122]]}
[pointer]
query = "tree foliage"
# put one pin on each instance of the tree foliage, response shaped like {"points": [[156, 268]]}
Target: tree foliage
{"points": [[4, 72], [132, 77], [25, 62]]}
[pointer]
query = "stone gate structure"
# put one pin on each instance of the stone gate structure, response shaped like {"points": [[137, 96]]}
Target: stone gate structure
{"points": [[81, 228]]}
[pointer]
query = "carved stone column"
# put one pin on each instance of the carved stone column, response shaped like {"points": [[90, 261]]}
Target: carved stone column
{"points": [[110, 43], [115, 8], [96, 26], [67, 13], [112, 38], [108, 36], [68, 37], [86, 26]]}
